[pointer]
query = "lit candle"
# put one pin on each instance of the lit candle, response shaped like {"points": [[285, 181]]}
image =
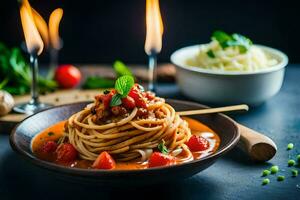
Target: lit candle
{"points": [[153, 43], [55, 40], [35, 45]]}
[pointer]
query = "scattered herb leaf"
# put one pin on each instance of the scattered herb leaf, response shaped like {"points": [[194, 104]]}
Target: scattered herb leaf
{"points": [[266, 172], [50, 133], [210, 54], [265, 181], [291, 163], [294, 172], [162, 147], [274, 169], [280, 178], [290, 146]]}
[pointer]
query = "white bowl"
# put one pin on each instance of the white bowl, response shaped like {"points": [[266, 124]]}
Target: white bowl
{"points": [[223, 87]]}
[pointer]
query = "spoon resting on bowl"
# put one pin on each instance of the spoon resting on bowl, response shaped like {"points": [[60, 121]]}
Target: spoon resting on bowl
{"points": [[259, 147]]}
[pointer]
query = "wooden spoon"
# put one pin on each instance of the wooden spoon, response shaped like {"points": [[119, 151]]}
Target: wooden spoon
{"points": [[258, 146]]}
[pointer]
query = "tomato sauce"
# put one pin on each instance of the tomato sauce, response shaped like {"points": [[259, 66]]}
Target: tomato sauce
{"points": [[55, 132]]}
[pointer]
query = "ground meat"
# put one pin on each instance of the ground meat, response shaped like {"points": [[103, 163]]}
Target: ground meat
{"points": [[142, 112], [119, 110]]}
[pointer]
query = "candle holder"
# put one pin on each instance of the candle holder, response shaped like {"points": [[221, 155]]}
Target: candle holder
{"points": [[34, 105], [152, 75]]}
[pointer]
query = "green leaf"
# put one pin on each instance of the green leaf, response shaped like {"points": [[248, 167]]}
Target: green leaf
{"points": [[95, 82], [121, 69], [234, 40], [116, 100], [162, 148], [124, 84], [222, 38], [210, 54]]}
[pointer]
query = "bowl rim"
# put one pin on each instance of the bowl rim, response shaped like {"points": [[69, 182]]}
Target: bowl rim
{"points": [[98, 172], [274, 52]]}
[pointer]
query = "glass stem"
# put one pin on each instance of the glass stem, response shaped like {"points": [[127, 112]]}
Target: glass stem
{"points": [[34, 84], [152, 72]]}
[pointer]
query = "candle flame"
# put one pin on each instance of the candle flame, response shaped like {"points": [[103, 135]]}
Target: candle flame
{"points": [[154, 27], [54, 21], [41, 26], [34, 42]]}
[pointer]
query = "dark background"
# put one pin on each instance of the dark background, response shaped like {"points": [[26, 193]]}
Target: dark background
{"points": [[97, 31]]}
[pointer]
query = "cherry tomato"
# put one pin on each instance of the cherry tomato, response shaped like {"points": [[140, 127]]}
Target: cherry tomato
{"points": [[197, 143], [138, 98], [128, 102], [158, 159], [66, 153], [49, 147], [67, 76], [104, 161]]}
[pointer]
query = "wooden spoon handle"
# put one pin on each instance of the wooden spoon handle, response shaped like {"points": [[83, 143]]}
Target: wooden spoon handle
{"points": [[258, 146]]}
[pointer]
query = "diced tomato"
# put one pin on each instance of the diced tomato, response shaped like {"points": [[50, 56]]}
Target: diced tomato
{"points": [[66, 153], [149, 95], [138, 98], [104, 161], [128, 102], [49, 147], [158, 159], [197, 143], [106, 98]]}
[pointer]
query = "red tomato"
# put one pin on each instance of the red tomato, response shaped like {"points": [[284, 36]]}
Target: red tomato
{"points": [[66, 153], [158, 159], [138, 98], [104, 161], [67, 76], [128, 102], [49, 147], [149, 95], [197, 143]]}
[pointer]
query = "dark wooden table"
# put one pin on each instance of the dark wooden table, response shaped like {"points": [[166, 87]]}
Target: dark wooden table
{"points": [[232, 177]]}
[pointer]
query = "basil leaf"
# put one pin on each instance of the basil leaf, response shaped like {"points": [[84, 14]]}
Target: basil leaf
{"points": [[95, 82], [242, 42], [162, 148], [210, 54], [222, 38], [234, 40], [124, 84], [116, 100], [121, 69]]}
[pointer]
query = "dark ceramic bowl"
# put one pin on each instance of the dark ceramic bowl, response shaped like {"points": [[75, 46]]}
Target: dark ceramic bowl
{"points": [[23, 133]]}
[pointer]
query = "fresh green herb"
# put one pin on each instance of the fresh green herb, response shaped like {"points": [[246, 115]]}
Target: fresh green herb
{"points": [[265, 172], [291, 163], [116, 100], [121, 69], [210, 54], [265, 181], [95, 82], [162, 148], [234, 40], [15, 73], [124, 84], [294, 172], [290, 146], [274, 169], [50, 133], [280, 178], [106, 92], [298, 158]]}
